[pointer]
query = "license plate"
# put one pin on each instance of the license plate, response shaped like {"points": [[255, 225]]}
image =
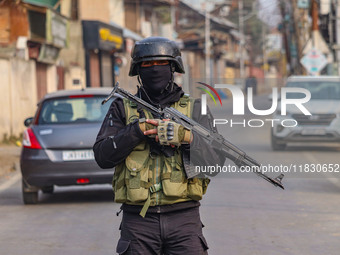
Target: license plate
{"points": [[314, 131], [78, 155]]}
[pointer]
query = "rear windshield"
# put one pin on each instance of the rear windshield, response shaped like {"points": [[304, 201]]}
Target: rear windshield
{"points": [[320, 90], [73, 110]]}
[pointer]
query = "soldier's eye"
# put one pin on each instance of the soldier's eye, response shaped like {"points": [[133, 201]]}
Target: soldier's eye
{"points": [[146, 63], [162, 62]]}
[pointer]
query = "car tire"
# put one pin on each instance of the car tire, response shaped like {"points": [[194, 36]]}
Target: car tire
{"points": [[47, 189], [29, 197], [275, 145]]}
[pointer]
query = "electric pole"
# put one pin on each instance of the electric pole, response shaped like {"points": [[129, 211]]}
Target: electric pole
{"points": [[285, 37], [297, 35], [338, 34], [241, 30], [264, 49], [207, 44]]}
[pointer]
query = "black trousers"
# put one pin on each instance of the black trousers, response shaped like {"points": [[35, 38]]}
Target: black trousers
{"points": [[171, 233]]}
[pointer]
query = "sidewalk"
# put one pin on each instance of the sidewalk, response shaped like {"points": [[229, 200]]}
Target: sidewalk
{"points": [[9, 161]]}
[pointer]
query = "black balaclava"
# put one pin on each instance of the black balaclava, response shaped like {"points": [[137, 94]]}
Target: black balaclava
{"points": [[158, 87], [155, 79]]}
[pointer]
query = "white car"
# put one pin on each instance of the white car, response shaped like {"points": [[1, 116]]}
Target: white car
{"points": [[323, 125]]}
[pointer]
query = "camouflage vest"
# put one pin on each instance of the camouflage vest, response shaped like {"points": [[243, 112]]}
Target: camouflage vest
{"points": [[149, 180]]}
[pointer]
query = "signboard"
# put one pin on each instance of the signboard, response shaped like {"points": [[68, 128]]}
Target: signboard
{"points": [[303, 4], [102, 36], [273, 42], [47, 3], [48, 54], [314, 61], [108, 36], [56, 29]]}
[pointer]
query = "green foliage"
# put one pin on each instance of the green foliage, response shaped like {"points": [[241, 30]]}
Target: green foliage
{"points": [[163, 13], [252, 27], [11, 139]]}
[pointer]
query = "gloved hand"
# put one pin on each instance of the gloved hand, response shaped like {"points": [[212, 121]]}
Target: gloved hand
{"points": [[145, 126], [167, 132], [172, 133]]}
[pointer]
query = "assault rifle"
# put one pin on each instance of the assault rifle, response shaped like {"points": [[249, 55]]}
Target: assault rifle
{"points": [[215, 140]]}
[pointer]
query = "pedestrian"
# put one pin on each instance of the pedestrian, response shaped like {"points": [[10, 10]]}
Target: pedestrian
{"points": [[251, 82], [160, 205]]}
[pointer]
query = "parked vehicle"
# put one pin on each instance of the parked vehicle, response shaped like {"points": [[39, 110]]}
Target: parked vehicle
{"points": [[57, 144], [323, 125]]}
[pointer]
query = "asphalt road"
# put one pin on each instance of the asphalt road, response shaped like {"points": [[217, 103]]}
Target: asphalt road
{"points": [[242, 213]]}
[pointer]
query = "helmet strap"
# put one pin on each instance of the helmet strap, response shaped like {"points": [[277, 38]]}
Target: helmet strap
{"points": [[142, 88], [171, 82], [139, 81]]}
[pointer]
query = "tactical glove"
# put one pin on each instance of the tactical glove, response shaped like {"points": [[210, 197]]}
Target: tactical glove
{"points": [[170, 132], [144, 126]]}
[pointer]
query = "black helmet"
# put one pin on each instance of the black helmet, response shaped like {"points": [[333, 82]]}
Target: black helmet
{"points": [[156, 48]]}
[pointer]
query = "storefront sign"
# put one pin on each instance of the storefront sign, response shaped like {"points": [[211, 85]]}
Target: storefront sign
{"points": [[102, 36], [106, 35]]}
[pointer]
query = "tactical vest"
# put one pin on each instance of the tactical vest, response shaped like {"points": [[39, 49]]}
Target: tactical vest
{"points": [[149, 180]]}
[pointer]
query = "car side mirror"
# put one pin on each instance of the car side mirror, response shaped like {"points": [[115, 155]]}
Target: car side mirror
{"points": [[28, 121]]}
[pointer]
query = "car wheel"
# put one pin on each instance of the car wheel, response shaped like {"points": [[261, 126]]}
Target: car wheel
{"points": [[47, 189], [275, 145], [29, 197]]}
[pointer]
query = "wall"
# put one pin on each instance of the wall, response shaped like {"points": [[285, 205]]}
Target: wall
{"points": [[5, 89], [18, 95], [73, 57], [94, 10], [5, 26], [125, 81], [117, 14], [132, 15], [52, 80], [75, 73], [195, 69]]}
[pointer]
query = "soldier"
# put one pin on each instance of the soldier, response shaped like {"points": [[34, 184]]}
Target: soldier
{"points": [[160, 205]]}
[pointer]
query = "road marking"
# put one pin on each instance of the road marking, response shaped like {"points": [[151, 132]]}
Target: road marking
{"points": [[333, 180], [10, 182]]}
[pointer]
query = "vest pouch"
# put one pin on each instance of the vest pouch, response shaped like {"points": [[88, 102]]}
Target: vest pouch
{"points": [[137, 176], [205, 183], [140, 147], [118, 184], [197, 187], [174, 182]]}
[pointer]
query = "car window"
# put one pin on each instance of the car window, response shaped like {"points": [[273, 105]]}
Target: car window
{"points": [[320, 90], [73, 110]]}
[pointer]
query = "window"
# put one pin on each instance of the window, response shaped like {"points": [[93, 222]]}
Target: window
{"points": [[37, 22], [73, 110], [320, 90]]}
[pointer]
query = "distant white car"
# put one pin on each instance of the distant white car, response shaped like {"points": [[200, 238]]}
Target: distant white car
{"points": [[324, 123]]}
